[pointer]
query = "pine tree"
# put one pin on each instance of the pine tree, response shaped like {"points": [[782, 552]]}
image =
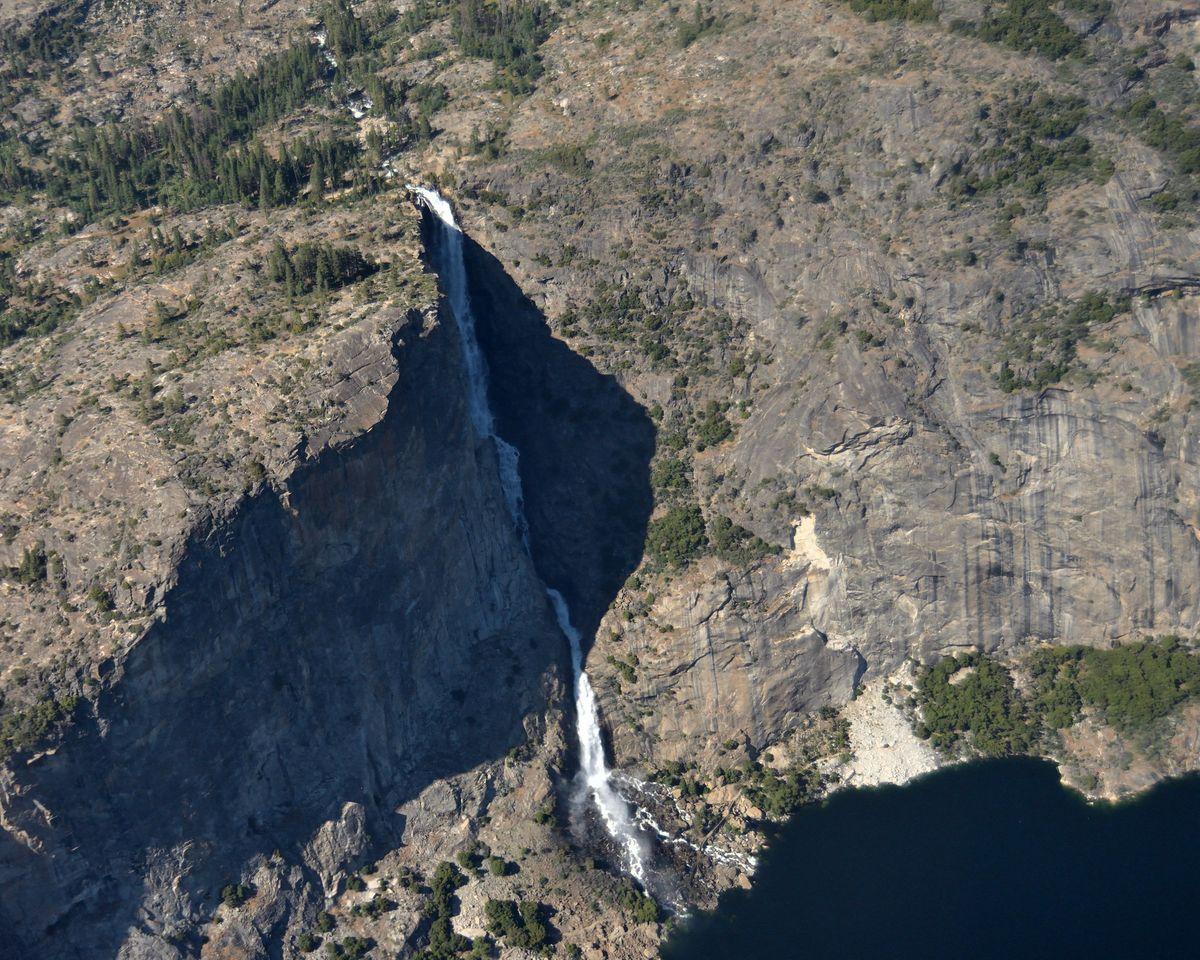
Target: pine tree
{"points": [[264, 190]]}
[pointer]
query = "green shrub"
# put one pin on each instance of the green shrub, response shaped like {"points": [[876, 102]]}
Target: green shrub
{"points": [[32, 568], [496, 866], [641, 908], [982, 707], [1095, 8], [1171, 135], [481, 949], [374, 908], [670, 475], [1131, 686], [442, 943], [735, 544], [1036, 143], [24, 729], [352, 948], [701, 23], [779, 795], [1055, 693], [872, 10], [408, 879], [570, 158], [1040, 351], [1030, 26], [627, 669], [30, 308], [307, 942], [447, 878], [677, 537], [519, 924], [713, 427], [236, 894], [101, 598]]}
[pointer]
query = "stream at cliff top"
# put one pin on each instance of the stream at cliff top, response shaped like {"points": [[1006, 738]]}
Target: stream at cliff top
{"points": [[595, 778], [988, 860]]}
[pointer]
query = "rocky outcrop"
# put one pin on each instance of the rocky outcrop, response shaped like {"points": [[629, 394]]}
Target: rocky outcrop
{"points": [[723, 655], [770, 219], [371, 626]]}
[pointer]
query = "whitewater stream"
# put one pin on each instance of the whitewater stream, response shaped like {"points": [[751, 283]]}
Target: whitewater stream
{"points": [[596, 779]]}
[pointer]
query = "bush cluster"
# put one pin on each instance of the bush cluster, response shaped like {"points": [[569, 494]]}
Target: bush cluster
{"points": [[316, 267], [1031, 26], [441, 941], [735, 544], [507, 34], [1130, 687], [872, 10], [984, 705], [519, 924], [23, 730], [641, 908], [1041, 350], [1036, 142], [352, 948], [1172, 135]]}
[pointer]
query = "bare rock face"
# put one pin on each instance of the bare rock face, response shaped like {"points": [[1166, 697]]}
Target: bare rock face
{"points": [[370, 627], [770, 220], [727, 655], [807, 276]]}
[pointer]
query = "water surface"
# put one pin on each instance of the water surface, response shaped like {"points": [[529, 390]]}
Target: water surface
{"points": [[989, 860]]}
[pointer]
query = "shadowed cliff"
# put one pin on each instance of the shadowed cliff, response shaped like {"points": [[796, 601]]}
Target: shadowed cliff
{"points": [[376, 629], [585, 446]]}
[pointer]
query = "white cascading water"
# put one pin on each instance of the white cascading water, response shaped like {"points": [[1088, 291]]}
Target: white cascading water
{"points": [[614, 811], [453, 272]]}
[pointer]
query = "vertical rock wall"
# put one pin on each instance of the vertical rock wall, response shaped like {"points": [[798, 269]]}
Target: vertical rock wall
{"points": [[372, 628]]}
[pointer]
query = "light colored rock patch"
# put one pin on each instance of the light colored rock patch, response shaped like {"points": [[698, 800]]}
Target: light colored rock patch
{"points": [[806, 551], [884, 746]]}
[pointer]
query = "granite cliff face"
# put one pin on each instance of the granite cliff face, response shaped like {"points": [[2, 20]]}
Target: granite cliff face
{"points": [[1079, 533], [790, 219], [324, 655], [834, 338]]}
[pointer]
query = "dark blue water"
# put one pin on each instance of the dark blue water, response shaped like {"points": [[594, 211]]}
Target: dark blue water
{"points": [[990, 860]]}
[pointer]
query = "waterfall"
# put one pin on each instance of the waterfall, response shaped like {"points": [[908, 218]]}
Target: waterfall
{"points": [[594, 772], [453, 271], [614, 811]]}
